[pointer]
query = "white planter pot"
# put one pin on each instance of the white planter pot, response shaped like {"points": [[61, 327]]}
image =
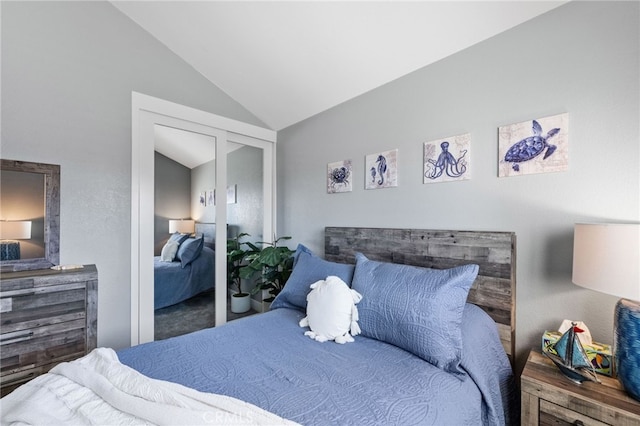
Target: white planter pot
{"points": [[240, 304]]}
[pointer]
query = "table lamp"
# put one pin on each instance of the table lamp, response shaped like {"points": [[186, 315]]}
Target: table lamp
{"points": [[9, 232], [606, 258], [182, 226]]}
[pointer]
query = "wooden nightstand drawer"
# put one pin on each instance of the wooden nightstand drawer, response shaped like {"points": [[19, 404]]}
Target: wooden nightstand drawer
{"points": [[552, 414], [549, 398]]}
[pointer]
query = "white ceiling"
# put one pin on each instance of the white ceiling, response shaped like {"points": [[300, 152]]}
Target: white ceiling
{"points": [[287, 61]]}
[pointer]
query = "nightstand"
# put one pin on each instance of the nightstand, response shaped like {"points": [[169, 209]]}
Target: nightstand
{"points": [[549, 398]]}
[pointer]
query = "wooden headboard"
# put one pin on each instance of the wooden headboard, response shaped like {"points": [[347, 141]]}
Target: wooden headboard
{"points": [[494, 290]]}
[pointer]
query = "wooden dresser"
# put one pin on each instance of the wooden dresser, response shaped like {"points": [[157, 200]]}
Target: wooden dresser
{"points": [[46, 317], [549, 398]]}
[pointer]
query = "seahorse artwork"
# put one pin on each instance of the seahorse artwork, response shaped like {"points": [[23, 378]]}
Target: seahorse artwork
{"points": [[382, 170], [452, 162], [536, 146], [339, 177]]}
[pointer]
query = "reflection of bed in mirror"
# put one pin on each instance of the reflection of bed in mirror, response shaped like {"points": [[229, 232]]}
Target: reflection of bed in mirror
{"points": [[187, 275]]}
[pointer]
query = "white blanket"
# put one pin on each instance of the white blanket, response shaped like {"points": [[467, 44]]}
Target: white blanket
{"points": [[98, 389]]}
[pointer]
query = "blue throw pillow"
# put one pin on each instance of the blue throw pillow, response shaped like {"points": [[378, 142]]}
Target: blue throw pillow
{"points": [[307, 269], [417, 309], [178, 237], [189, 250]]}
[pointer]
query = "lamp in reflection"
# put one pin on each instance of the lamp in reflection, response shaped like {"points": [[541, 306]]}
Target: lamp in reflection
{"points": [[182, 226], [10, 231]]}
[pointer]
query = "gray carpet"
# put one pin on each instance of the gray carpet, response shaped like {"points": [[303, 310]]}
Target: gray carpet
{"points": [[191, 315]]}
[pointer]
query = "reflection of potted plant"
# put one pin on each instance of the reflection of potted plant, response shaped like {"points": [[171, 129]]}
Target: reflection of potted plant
{"points": [[273, 262], [236, 258]]}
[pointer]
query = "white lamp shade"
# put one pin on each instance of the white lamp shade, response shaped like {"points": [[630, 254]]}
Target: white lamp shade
{"points": [[606, 258], [182, 226], [15, 230]]}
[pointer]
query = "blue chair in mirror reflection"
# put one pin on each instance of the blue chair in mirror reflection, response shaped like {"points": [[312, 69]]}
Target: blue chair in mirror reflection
{"points": [[10, 231]]}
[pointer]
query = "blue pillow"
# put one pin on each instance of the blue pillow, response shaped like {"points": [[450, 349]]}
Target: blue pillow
{"points": [[178, 237], [417, 309], [307, 269], [189, 250]]}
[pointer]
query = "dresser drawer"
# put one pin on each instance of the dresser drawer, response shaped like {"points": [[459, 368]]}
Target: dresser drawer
{"points": [[41, 345], [553, 414], [28, 308]]}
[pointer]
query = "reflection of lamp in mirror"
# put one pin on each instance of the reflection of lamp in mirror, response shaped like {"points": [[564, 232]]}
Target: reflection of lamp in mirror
{"points": [[606, 258], [9, 232], [182, 226]]}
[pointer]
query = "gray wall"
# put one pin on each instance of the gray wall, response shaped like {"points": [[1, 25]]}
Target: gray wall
{"points": [[68, 70], [172, 197], [244, 169], [582, 58], [203, 179]]}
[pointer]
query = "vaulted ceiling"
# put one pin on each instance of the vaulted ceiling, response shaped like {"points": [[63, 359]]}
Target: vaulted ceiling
{"points": [[287, 61]]}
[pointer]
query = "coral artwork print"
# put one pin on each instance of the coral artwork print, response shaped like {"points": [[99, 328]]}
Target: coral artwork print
{"points": [[339, 177], [447, 159], [536, 146], [381, 170]]}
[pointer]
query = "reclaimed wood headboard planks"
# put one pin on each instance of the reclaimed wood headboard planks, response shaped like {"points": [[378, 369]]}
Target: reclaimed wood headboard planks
{"points": [[495, 252]]}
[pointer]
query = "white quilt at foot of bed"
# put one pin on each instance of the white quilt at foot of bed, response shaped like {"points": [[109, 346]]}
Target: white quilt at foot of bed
{"points": [[98, 389]]}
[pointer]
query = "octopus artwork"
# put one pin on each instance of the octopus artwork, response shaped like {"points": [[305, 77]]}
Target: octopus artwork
{"points": [[447, 164], [532, 146]]}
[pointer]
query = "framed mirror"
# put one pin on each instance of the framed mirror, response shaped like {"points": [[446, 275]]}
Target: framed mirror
{"points": [[29, 215]]}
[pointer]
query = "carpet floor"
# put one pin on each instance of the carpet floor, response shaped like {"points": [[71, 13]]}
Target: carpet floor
{"points": [[191, 315]]}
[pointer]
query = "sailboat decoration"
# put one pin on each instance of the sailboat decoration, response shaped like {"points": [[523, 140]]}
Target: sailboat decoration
{"points": [[571, 358]]}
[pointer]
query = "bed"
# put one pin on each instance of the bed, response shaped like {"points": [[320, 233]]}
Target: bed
{"points": [[180, 280], [393, 373]]}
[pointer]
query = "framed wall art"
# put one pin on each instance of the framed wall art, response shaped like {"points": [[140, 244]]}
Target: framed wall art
{"points": [[339, 177], [536, 146], [447, 159], [381, 170]]}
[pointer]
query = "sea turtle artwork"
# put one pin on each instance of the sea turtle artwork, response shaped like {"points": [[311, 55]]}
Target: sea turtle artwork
{"points": [[530, 147], [447, 163]]}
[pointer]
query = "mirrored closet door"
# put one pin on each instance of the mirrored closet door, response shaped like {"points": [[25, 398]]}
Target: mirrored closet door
{"points": [[149, 112]]}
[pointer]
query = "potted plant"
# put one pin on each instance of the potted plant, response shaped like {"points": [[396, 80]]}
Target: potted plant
{"points": [[236, 260], [274, 263]]}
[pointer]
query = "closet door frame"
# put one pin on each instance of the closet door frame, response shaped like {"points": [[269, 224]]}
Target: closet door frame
{"points": [[147, 112]]}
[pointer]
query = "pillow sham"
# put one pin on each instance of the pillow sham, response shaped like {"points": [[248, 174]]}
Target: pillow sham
{"points": [[169, 251], [417, 309], [307, 269], [189, 251], [178, 237]]}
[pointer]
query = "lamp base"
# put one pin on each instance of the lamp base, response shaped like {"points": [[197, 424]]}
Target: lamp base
{"points": [[627, 345], [9, 250]]}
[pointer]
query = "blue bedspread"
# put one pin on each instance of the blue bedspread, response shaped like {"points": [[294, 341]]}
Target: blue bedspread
{"points": [[173, 284], [266, 360]]}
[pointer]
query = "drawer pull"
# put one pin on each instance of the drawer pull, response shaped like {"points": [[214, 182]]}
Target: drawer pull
{"points": [[578, 423], [18, 338], [24, 378]]}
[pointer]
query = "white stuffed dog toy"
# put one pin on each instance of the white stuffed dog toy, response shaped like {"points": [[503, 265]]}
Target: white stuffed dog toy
{"points": [[331, 311]]}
